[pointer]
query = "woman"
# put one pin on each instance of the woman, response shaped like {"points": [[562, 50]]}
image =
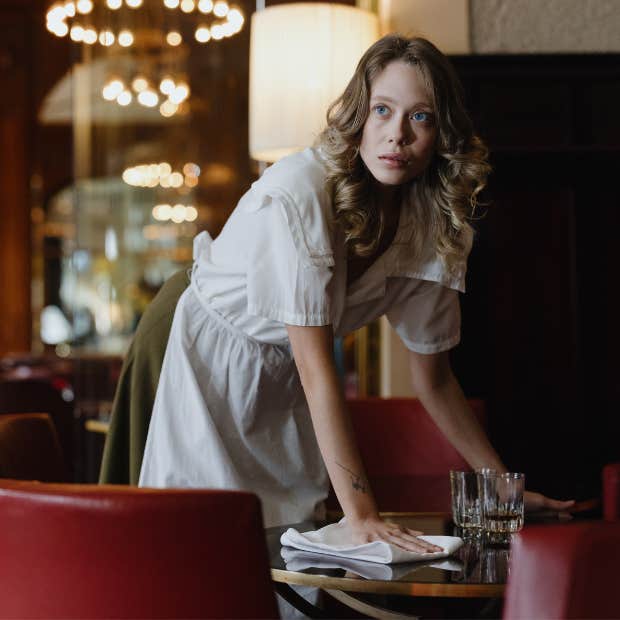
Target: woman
{"points": [[371, 221]]}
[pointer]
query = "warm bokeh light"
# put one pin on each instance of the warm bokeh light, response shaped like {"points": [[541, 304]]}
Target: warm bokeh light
{"points": [[148, 98], [77, 33], [220, 8], [134, 4], [167, 85], [114, 4], [106, 38], [205, 6], [84, 6], [187, 6], [167, 108], [202, 34], [124, 98], [139, 84], [171, 4], [125, 38], [174, 38]]}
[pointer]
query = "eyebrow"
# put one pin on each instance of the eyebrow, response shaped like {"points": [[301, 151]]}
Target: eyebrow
{"points": [[381, 97]]}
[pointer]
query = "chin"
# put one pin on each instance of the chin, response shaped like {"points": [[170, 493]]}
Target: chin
{"points": [[392, 179]]}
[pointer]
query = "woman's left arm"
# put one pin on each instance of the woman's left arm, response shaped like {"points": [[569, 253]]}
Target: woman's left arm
{"points": [[439, 391]]}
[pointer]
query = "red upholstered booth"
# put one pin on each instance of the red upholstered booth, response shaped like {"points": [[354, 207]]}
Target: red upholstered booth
{"points": [[89, 551], [611, 492], [565, 571], [407, 458]]}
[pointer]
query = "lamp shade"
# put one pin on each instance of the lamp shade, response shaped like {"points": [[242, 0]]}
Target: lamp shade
{"points": [[302, 56]]}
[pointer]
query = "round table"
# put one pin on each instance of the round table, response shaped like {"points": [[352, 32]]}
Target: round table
{"points": [[475, 571]]}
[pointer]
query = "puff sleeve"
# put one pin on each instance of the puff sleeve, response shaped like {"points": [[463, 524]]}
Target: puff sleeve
{"points": [[428, 319], [285, 281]]}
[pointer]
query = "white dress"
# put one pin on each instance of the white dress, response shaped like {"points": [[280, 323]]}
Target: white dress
{"points": [[230, 411]]}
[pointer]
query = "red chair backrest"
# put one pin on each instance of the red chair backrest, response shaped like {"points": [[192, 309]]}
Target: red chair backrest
{"points": [[407, 458], [92, 551], [611, 492], [564, 571], [397, 437], [29, 448]]}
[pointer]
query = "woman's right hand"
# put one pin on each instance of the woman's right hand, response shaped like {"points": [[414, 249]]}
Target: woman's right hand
{"points": [[374, 528]]}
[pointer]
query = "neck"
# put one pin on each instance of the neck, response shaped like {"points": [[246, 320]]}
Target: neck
{"points": [[387, 197]]}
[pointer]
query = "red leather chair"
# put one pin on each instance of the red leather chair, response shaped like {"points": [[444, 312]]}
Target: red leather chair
{"points": [[103, 551], [564, 571], [30, 449], [611, 492], [407, 457]]}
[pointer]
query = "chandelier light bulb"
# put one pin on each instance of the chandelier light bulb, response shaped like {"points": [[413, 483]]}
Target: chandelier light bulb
{"points": [[180, 93], [167, 85], [191, 213], [114, 5], [60, 29], [76, 33], [171, 4], [187, 6], [190, 169], [133, 4], [84, 6], [113, 89], [178, 213], [205, 6], [139, 84], [90, 36], [164, 169], [106, 38], [176, 179], [235, 17], [70, 9], [202, 34], [217, 32], [148, 98], [220, 8], [125, 38], [124, 98], [168, 109], [174, 38], [228, 29]]}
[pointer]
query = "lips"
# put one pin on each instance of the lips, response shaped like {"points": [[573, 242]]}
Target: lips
{"points": [[394, 159]]}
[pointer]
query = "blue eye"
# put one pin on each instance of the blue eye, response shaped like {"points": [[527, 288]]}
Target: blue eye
{"points": [[421, 117], [381, 110]]}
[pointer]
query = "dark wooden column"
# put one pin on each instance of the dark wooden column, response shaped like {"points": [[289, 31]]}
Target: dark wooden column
{"points": [[15, 107]]}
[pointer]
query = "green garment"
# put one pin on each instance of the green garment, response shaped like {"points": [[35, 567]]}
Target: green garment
{"points": [[137, 385]]}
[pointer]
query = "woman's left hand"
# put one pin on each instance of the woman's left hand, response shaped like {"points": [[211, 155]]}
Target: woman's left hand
{"points": [[537, 502]]}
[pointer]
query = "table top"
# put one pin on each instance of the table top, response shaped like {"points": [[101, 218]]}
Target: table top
{"points": [[475, 570]]}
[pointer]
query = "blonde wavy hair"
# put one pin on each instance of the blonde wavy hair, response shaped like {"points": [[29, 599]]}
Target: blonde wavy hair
{"points": [[445, 195]]}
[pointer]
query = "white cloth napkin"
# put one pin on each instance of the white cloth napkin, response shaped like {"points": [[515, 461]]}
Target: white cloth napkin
{"points": [[335, 539], [298, 561]]}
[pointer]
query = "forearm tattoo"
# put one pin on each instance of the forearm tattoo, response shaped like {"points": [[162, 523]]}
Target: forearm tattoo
{"points": [[357, 481]]}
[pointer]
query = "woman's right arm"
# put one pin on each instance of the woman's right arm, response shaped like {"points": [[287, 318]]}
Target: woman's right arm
{"points": [[313, 351]]}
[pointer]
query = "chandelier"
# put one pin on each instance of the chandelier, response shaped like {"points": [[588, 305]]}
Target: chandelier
{"points": [[145, 43], [126, 23]]}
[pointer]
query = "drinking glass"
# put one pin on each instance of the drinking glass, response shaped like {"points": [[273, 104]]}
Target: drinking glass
{"points": [[501, 505], [465, 502]]}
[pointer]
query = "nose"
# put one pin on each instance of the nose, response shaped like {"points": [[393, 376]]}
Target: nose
{"points": [[401, 132]]}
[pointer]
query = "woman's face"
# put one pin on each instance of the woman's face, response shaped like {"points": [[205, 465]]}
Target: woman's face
{"points": [[398, 140]]}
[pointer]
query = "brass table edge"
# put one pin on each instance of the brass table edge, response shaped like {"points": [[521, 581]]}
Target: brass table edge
{"points": [[448, 590]]}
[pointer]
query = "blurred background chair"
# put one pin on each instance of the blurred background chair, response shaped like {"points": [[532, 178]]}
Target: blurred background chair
{"points": [[104, 551], [611, 492], [30, 449], [407, 458], [564, 571], [35, 395]]}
